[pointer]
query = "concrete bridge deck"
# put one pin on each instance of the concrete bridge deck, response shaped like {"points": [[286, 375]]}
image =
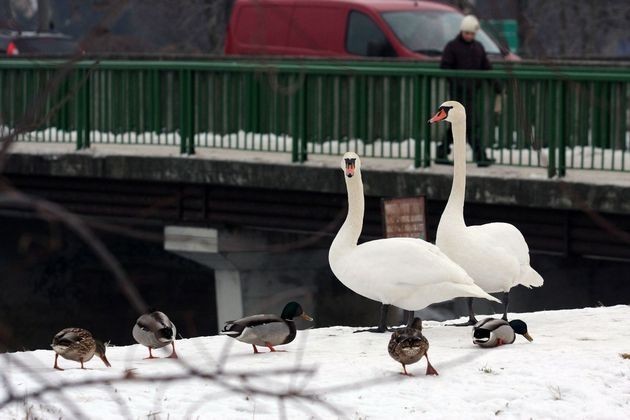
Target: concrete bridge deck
{"points": [[600, 191]]}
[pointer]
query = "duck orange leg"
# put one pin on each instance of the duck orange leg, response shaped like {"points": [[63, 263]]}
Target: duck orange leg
{"points": [[173, 355], [56, 365], [255, 349], [270, 347], [405, 370], [430, 369], [151, 356]]}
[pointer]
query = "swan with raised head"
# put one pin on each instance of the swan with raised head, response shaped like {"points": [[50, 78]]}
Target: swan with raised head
{"points": [[406, 272], [495, 255]]}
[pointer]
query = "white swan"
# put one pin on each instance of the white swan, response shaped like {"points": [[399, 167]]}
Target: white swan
{"points": [[405, 272], [495, 255]]}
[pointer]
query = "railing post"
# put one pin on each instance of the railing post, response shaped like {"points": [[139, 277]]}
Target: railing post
{"points": [[186, 117], [426, 128], [304, 124], [549, 129], [561, 122], [299, 121], [82, 84]]}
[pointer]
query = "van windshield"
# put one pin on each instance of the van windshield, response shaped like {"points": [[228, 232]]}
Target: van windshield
{"points": [[428, 32]]}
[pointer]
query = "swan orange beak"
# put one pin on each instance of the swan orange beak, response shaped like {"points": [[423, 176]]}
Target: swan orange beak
{"points": [[441, 114]]}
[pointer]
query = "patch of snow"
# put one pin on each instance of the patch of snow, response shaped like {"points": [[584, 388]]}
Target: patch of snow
{"points": [[578, 157], [572, 369]]}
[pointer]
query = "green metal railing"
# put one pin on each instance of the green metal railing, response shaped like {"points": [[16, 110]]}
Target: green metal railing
{"points": [[551, 116]]}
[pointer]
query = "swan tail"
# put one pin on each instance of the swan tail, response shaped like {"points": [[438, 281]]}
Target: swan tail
{"points": [[472, 290], [481, 294], [531, 278]]}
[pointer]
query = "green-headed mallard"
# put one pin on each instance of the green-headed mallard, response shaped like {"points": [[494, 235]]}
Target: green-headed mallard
{"points": [[77, 344], [492, 332], [154, 330], [267, 330], [408, 345]]}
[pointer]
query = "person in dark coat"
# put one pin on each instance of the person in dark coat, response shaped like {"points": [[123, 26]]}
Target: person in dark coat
{"points": [[465, 53]]}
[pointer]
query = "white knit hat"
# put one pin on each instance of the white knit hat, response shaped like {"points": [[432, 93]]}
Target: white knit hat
{"points": [[469, 24]]}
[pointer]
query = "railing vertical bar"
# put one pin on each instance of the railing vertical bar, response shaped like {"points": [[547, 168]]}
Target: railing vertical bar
{"points": [[551, 170], [623, 126], [424, 101]]}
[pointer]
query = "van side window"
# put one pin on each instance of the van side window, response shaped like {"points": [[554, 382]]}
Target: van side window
{"points": [[365, 38]]}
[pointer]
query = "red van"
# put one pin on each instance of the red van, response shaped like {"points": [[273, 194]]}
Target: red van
{"points": [[347, 28]]}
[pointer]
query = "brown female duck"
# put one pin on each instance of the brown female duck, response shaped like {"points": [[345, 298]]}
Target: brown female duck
{"points": [[408, 345], [77, 344]]}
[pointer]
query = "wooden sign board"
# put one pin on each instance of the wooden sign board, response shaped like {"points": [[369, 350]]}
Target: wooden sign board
{"points": [[404, 217]]}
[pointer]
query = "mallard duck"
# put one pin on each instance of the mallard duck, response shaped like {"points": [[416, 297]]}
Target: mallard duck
{"points": [[267, 330], [492, 332], [408, 345], [154, 330], [77, 344]]}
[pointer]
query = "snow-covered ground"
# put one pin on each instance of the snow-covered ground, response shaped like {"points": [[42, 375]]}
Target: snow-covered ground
{"points": [[586, 157], [572, 369]]}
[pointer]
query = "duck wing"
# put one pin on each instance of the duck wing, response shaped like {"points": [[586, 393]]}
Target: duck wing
{"points": [[69, 336], [407, 348], [154, 330], [261, 330]]}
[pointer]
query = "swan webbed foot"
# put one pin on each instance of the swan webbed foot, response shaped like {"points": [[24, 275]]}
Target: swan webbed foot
{"points": [[378, 329], [470, 322], [382, 322]]}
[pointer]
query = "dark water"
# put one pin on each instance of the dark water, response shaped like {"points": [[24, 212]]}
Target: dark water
{"points": [[50, 280]]}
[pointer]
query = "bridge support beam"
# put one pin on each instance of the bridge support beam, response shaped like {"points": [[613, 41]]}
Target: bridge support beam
{"points": [[202, 246]]}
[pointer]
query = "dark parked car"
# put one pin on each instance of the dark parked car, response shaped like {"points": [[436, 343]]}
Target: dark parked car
{"points": [[13, 43]]}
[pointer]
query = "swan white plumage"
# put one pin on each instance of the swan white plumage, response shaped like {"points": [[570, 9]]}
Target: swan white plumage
{"points": [[495, 255], [405, 272]]}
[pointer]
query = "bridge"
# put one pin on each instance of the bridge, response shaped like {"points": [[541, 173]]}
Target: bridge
{"points": [[255, 206]]}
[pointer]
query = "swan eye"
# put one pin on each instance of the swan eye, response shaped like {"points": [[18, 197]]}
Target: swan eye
{"points": [[350, 163]]}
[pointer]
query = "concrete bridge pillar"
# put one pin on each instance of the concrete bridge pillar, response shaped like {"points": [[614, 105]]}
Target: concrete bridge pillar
{"points": [[202, 246], [254, 271]]}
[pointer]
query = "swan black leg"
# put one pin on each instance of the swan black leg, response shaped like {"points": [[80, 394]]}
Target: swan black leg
{"points": [[471, 315], [408, 318], [382, 322], [506, 299]]}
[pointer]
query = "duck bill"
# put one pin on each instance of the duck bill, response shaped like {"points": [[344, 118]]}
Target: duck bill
{"points": [[306, 317], [104, 359], [349, 171], [441, 114], [528, 337]]}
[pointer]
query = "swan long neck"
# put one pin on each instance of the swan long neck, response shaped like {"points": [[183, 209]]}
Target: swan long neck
{"points": [[455, 205], [348, 235]]}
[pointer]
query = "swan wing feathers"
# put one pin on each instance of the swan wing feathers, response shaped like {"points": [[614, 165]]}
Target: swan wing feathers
{"points": [[406, 272], [511, 240], [407, 261]]}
